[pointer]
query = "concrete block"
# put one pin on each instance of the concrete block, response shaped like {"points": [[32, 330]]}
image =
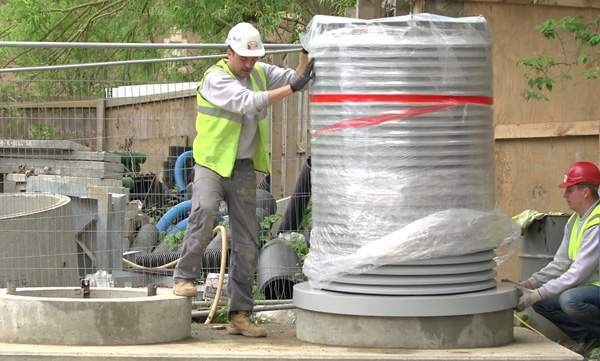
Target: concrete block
{"points": [[15, 183], [447, 332], [73, 186]]}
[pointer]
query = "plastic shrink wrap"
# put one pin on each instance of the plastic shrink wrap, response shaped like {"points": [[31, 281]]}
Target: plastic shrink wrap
{"points": [[402, 143]]}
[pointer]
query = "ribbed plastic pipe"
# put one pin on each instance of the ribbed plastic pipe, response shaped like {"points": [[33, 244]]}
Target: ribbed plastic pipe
{"points": [[369, 181]]}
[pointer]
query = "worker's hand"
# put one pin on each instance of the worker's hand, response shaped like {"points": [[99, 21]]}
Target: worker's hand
{"points": [[528, 298], [303, 79], [528, 283]]}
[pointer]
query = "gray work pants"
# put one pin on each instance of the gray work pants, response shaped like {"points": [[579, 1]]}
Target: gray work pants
{"points": [[239, 192]]}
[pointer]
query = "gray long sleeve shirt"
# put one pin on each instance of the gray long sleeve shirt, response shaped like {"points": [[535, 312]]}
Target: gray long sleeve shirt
{"points": [[562, 273], [236, 95]]}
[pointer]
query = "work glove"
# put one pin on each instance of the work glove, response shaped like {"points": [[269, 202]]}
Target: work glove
{"points": [[302, 80], [528, 298], [528, 283]]}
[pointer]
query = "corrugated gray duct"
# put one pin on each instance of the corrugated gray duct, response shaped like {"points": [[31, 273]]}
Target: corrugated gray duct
{"points": [[402, 142]]}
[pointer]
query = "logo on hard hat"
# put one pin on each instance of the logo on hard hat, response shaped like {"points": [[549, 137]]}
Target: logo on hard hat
{"points": [[252, 45]]}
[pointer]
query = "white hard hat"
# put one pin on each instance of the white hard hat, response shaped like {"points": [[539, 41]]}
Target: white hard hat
{"points": [[245, 40]]}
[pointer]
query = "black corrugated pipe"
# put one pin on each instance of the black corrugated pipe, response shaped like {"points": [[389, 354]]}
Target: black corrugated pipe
{"points": [[156, 259], [210, 262], [278, 269], [295, 211]]}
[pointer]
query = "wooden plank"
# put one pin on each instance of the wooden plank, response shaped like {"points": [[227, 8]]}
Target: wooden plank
{"points": [[369, 9], [419, 6], [292, 163], [277, 152], [303, 126], [100, 124], [119, 102], [560, 3], [545, 130], [52, 104]]}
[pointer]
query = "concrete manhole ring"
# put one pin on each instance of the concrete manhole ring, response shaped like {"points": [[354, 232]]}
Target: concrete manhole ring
{"points": [[111, 316]]}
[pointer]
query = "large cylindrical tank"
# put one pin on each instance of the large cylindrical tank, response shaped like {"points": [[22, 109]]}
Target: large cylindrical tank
{"points": [[402, 128], [37, 240], [403, 191]]}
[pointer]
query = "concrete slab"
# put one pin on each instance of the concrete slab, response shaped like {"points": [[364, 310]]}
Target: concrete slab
{"points": [[207, 343], [64, 167], [61, 154]]}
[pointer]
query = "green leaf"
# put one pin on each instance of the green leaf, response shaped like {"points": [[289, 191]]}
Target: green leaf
{"points": [[582, 59], [591, 74], [542, 70], [594, 40], [547, 29]]}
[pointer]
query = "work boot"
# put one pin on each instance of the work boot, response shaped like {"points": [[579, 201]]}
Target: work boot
{"points": [[185, 288], [575, 346], [241, 325]]}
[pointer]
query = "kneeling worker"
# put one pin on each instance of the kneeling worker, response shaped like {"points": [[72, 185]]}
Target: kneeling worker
{"points": [[566, 291]]}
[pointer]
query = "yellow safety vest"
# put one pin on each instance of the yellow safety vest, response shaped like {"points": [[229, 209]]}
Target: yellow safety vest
{"points": [[576, 232], [218, 130]]}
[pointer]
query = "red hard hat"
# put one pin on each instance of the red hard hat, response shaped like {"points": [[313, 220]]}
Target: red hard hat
{"points": [[581, 172]]}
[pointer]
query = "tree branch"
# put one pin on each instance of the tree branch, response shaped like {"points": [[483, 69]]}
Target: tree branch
{"points": [[76, 7], [4, 32]]}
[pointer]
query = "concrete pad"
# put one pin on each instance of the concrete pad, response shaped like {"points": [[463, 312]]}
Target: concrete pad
{"points": [[207, 343]]}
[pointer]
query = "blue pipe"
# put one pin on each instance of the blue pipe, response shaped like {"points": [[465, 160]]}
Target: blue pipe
{"points": [[178, 172], [165, 221], [181, 226]]}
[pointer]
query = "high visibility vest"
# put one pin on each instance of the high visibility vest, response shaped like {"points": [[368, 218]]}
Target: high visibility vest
{"points": [[218, 130], [577, 229]]}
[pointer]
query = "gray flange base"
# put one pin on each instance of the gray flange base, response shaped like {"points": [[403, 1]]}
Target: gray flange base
{"points": [[493, 300]]}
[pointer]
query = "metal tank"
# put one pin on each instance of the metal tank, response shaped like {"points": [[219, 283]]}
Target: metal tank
{"points": [[402, 128], [37, 240]]}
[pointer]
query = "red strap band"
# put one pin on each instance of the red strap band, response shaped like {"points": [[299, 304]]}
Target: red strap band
{"points": [[399, 98], [441, 102]]}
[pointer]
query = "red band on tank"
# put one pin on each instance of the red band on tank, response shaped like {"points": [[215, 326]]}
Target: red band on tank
{"points": [[399, 98], [442, 102]]}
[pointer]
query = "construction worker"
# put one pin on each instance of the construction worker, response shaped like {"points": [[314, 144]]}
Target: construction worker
{"points": [[566, 290], [232, 142]]}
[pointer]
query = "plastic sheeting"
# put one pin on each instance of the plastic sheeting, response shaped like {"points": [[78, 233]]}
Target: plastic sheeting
{"points": [[402, 146]]}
